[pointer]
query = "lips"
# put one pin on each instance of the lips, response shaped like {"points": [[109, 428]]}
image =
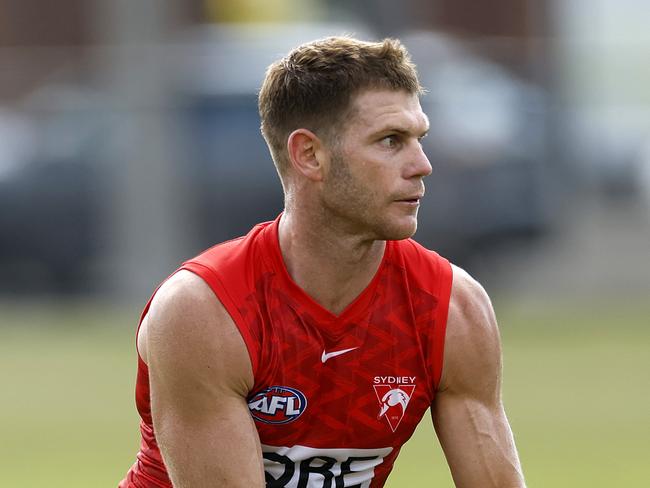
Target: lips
{"points": [[411, 199]]}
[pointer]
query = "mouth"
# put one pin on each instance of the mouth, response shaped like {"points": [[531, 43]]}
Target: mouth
{"points": [[413, 200], [411, 203]]}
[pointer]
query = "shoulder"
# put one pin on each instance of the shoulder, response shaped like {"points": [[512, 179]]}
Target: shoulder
{"points": [[183, 292], [472, 342], [470, 305], [187, 328], [184, 303]]}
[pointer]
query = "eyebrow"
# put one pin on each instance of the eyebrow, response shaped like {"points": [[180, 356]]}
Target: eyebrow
{"points": [[401, 131]]}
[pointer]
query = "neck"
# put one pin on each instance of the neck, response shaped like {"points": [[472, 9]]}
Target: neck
{"points": [[330, 263]]}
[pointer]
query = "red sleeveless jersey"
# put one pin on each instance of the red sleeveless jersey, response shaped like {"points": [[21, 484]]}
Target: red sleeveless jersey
{"points": [[335, 397]]}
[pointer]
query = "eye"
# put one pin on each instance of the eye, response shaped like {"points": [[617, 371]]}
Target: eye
{"points": [[390, 142]]}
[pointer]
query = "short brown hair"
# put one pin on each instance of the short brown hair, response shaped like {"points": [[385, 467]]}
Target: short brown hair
{"points": [[312, 87]]}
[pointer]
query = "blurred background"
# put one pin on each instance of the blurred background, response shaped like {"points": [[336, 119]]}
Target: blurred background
{"points": [[129, 141]]}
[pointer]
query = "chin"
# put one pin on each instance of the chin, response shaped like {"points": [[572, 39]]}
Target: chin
{"points": [[399, 229]]}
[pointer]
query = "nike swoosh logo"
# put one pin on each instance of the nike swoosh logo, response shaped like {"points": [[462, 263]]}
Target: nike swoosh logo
{"points": [[333, 354]]}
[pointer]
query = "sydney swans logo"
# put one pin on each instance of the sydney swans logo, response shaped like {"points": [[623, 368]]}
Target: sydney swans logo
{"points": [[394, 394]]}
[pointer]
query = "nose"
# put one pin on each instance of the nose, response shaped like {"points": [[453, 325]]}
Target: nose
{"points": [[419, 165]]}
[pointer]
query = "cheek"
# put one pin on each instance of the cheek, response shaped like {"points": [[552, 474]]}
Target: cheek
{"points": [[361, 181], [380, 184], [353, 195]]}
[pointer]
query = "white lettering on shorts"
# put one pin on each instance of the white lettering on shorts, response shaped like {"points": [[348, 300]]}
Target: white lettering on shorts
{"points": [[308, 467]]}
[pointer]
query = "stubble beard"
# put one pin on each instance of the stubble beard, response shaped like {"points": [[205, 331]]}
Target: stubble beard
{"points": [[356, 206]]}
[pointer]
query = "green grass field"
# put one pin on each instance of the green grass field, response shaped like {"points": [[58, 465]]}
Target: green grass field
{"points": [[577, 391]]}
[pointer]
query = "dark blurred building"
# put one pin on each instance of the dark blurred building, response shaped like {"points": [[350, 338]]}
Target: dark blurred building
{"points": [[136, 136]]}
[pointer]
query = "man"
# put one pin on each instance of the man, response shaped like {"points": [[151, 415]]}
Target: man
{"points": [[305, 353]]}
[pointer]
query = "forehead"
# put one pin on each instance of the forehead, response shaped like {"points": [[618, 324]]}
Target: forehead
{"points": [[378, 110]]}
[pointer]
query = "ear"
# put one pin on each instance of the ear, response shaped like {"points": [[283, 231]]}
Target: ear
{"points": [[306, 154]]}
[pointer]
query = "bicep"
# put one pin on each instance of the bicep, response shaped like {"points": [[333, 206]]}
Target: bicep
{"points": [[468, 413], [199, 375]]}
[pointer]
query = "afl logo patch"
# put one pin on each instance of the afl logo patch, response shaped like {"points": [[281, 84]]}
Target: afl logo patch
{"points": [[277, 405]]}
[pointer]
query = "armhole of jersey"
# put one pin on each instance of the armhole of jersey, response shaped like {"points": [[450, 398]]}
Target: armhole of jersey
{"points": [[221, 292], [441, 315], [137, 330]]}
